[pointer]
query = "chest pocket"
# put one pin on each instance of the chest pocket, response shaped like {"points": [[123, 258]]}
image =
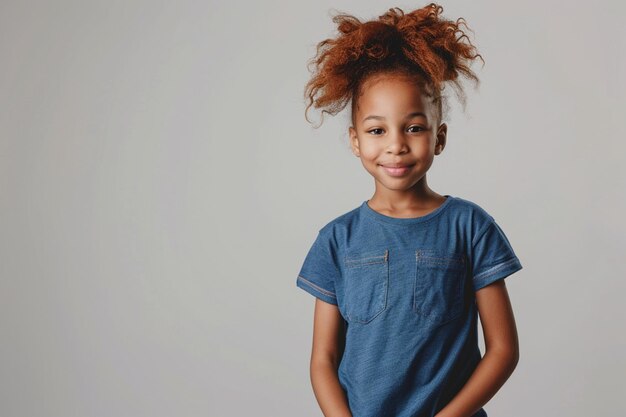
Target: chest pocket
{"points": [[366, 285], [439, 281]]}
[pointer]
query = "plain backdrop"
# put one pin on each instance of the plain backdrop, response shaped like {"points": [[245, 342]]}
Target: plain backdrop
{"points": [[160, 187]]}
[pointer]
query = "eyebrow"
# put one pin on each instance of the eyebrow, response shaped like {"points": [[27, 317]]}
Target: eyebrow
{"points": [[409, 116]]}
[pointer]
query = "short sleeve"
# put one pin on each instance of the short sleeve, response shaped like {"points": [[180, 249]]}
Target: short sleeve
{"points": [[492, 256], [319, 271]]}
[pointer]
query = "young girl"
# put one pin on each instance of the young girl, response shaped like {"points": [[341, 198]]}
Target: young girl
{"points": [[399, 280]]}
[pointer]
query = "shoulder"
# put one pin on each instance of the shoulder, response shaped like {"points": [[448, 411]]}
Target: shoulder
{"points": [[471, 207], [339, 224], [472, 215]]}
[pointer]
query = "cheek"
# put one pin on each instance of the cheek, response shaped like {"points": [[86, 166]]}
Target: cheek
{"points": [[425, 147], [369, 151]]}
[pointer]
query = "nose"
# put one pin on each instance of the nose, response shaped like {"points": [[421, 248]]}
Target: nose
{"points": [[397, 142]]}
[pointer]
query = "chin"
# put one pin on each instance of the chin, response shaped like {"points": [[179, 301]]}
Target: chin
{"points": [[398, 186]]}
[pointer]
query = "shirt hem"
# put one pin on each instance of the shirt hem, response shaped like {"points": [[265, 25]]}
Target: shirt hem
{"points": [[315, 290], [496, 272]]}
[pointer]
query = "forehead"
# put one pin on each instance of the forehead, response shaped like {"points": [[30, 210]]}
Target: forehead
{"points": [[391, 93]]}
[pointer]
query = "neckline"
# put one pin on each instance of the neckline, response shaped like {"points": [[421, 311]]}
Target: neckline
{"points": [[370, 212]]}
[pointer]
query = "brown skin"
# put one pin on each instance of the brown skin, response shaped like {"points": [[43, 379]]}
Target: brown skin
{"points": [[328, 345], [397, 138]]}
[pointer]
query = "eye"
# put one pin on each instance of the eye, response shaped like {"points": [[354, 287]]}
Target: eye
{"points": [[373, 130], [416, 127]]}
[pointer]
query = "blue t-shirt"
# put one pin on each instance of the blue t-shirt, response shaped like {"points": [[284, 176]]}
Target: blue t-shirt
{"points": [[405, 288]]}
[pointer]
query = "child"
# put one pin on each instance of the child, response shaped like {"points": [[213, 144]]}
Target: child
{"points": [[399, 281]]}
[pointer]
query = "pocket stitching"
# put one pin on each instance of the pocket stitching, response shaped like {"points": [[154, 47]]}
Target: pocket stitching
{"points": [[355, 262], [377, 259], [456, 263]]}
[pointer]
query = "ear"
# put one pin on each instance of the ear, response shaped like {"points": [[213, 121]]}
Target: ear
{"points": [[354, 142], [441, 138]]}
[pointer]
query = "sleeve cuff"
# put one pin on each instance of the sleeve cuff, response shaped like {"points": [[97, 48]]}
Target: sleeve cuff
{"points": [[496, 272], [316, 290]]}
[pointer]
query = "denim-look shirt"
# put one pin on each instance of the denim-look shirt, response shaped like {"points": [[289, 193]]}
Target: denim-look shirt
{"points": [[406, 290]]}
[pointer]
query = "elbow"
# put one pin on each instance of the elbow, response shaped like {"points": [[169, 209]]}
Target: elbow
{"points": [[507, 356], [514, 355], [512, 359], [324, 361]]}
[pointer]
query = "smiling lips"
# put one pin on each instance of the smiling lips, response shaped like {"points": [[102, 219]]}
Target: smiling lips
{"points": [[396, 170]]}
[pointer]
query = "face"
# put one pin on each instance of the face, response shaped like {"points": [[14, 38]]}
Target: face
{"points": [[395, 133]]}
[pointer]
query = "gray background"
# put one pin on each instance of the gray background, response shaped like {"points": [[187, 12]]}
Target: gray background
{"points": [[159, 189]]}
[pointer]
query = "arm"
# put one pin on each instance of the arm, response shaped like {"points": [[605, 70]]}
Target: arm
{"points": [[500, 359], [328, 344]]}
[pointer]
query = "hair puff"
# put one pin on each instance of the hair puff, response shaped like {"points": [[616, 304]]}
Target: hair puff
{"points": [[417, 43]]}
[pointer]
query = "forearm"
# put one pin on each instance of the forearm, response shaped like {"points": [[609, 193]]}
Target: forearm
{"points": [[490, 374], [328, 392]]}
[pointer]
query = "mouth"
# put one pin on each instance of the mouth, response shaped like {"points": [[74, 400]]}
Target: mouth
{"points": [[396, 170]]}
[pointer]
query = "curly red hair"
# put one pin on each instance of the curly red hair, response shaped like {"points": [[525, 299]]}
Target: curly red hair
{"points": [[419, 43]]}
